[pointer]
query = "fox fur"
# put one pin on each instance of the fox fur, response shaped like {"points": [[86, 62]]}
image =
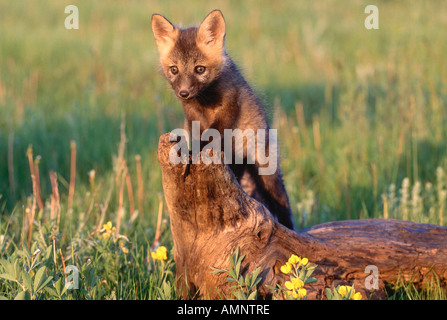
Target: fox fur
{"points": [[212, 90]]}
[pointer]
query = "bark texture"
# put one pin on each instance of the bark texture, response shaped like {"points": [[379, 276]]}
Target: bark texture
{"points": [[211, 216]]}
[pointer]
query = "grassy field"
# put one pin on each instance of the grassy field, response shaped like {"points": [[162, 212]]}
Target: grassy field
{"points": [[361, 118]]}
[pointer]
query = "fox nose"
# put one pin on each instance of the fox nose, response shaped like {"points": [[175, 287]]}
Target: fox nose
{"points": [[184, 93]]}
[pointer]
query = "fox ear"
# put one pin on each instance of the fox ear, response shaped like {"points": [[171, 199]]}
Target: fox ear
{"points": [[165, 33], [212, 30]]}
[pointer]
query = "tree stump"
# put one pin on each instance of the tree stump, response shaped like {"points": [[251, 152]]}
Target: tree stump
{"points": [[211, 216]]}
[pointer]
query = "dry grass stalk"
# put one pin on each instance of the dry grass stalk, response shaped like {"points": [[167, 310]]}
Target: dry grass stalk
{"points": [[130, 191], [160, 214], [34, 181], [140, 185], [71, 188], [38, 190], [317, 143], [120, 171], [30, 212], [54, 251], [104, 208], [299, 109], [91, 178], [119, 163], [30, 220], [55, 202], [120, 203], [63, 264], [385, 207]]}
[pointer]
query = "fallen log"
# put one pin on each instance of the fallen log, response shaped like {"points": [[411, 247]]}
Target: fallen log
{"points": [[211, 216]]}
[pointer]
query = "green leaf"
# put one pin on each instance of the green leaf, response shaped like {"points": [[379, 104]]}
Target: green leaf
{"points": [[237, 269], [254, 278], [44, 284], [16, 271], [9, 267], [64, 289], [329, 294], [252, 295], [39, 278], [23, 295], [27, 282], [256, 282], [310, 280], [247, 281], [240, 295], [7, 276], [336, 295], [231, 259], [26, 253], [217, 271], [231, 274], [36, 264], [57, 286], [52, 292], [301, 274], [166, 291], [310, 270], [350, 293], [48, 253]]}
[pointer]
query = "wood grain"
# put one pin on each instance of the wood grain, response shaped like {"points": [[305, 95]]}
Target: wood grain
{"points": [[211, 216]]}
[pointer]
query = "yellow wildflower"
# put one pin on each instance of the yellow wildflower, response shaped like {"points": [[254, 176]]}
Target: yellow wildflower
{"points": [[344, 290], [289, 285], [297, 269], [302, 292], [107, 226], [108, 229], [292, 293], [159, 254], [304, 261], [357, 296], [294, 259], [286, 268], [296, 283], [122, 247]]}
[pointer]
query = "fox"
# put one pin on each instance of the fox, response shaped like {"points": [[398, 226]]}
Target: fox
{"points": [[213, 91]]}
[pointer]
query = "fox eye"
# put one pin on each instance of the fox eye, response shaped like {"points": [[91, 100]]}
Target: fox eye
{"points": [[174, 70], [200, 69]]}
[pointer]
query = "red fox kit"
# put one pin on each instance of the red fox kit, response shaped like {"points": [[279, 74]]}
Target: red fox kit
{"points": [[213, 92]]}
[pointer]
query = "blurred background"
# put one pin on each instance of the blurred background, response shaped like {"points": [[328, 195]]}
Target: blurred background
{"points": [[361, 113]]}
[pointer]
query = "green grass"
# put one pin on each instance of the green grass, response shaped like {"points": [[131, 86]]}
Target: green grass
{"points": [[361, 117]]}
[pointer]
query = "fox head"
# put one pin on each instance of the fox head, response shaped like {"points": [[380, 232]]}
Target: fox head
{"points": [[191, 58]]}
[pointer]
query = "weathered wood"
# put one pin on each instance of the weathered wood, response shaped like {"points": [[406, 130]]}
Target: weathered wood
{"points": [[211, 216]]}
